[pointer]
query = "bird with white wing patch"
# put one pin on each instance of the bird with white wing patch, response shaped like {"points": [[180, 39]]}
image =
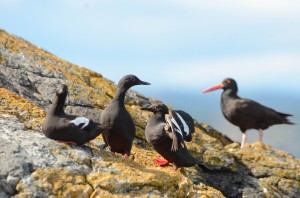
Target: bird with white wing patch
{"points": [[66, 128], [166, 131], [81, 121]]}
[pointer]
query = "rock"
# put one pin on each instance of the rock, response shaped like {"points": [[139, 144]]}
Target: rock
{"points": [[35, 166], [54, 182]]}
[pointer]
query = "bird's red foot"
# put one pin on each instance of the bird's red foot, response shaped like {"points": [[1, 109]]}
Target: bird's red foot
{"points": [[161, 162], [67, 142], [125, 156]]}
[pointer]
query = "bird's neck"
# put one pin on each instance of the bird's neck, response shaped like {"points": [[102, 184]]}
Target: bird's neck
{"points": [[120, 95], [229, 94], [57, 106], [160, 116]]}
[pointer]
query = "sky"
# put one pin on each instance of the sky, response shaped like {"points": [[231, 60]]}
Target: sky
{"points": [[180, 46]]}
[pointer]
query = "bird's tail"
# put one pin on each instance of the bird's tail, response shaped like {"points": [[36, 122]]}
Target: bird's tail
{"points": [[288, 122], [285, 117], [201, 164], [203, 167]]}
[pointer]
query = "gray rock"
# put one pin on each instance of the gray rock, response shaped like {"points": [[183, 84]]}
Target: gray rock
{"points": [[23, 151]]}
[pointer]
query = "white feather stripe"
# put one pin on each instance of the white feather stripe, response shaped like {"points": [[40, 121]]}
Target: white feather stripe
{"points": [[176, 124], [185, 126], [81, 120]]}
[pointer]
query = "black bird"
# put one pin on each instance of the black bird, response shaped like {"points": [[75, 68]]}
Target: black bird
{"points": [[120, 136], [167, 138], [62, 127], [245, 113]]}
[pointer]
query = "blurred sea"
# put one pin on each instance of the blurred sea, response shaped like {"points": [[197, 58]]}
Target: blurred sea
{"points": [[205, 108]]}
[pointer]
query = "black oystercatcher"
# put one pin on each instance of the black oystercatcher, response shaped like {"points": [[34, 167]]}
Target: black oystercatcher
{"points": [[166, 136], [121, 131], [66, 128], [245, 113]]}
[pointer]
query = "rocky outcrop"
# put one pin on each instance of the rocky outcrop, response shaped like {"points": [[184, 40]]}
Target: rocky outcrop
{"points": [[34, 166]]}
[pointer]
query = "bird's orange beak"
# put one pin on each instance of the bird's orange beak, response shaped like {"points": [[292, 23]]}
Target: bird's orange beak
{"points": [[218, 86]]}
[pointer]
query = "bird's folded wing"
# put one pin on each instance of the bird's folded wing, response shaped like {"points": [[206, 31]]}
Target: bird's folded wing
{"points": [[177, 136]]}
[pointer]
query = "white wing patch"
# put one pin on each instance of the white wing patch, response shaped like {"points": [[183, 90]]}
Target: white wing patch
{"points": [[176, 124], [81, 120], [185, 126]]}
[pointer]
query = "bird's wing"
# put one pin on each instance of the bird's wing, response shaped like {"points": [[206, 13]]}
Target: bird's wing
{"points": [[80, 122], [176, 132], [187, 122], [260, 113], [178, 121]]}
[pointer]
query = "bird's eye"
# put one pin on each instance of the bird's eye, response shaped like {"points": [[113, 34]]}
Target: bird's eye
{"points": [[228, 81], [156, 106]]}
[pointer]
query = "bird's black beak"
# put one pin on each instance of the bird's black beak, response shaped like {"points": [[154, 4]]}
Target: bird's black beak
{"points": [[218, 86], [147, 108], [144, 83]]}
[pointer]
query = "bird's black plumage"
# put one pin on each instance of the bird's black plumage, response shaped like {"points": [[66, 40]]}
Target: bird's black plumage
{"points": [[120, 136], [63, 127], [165, 139], [245, 113]]}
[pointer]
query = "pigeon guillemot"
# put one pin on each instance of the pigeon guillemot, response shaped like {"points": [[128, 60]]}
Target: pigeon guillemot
{"points": [[245, 113], [120, 136], [62, 127], [166, 136]]}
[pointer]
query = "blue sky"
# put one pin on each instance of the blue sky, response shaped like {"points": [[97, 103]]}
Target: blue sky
{"points": [[176, 45], [198, 42]]}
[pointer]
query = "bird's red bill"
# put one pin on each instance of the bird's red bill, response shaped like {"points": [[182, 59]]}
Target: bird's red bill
{"points": [[218, 86]]}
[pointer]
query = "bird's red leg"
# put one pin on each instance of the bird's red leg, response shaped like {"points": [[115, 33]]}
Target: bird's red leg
{"points": [[67, 142], [244, 139], [161, 162], [125, 156], [261, 134]]}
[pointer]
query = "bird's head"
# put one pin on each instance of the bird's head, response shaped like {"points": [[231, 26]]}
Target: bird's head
{"points": [[228, 83], [131, 80], [155, 108], [62, 90]]}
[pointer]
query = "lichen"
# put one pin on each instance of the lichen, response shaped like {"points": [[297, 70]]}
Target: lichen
{"points": [[1, 59], [28, 113], [57, 181]]}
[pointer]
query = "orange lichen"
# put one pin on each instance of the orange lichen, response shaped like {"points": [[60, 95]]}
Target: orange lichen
{"points": [[28, 113], [59, 182]]}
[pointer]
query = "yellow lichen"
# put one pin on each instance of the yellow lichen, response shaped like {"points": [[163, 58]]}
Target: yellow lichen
{"points": [[28, 113], [138, 178], [59, 182], [263, 159], [1, 59]]}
